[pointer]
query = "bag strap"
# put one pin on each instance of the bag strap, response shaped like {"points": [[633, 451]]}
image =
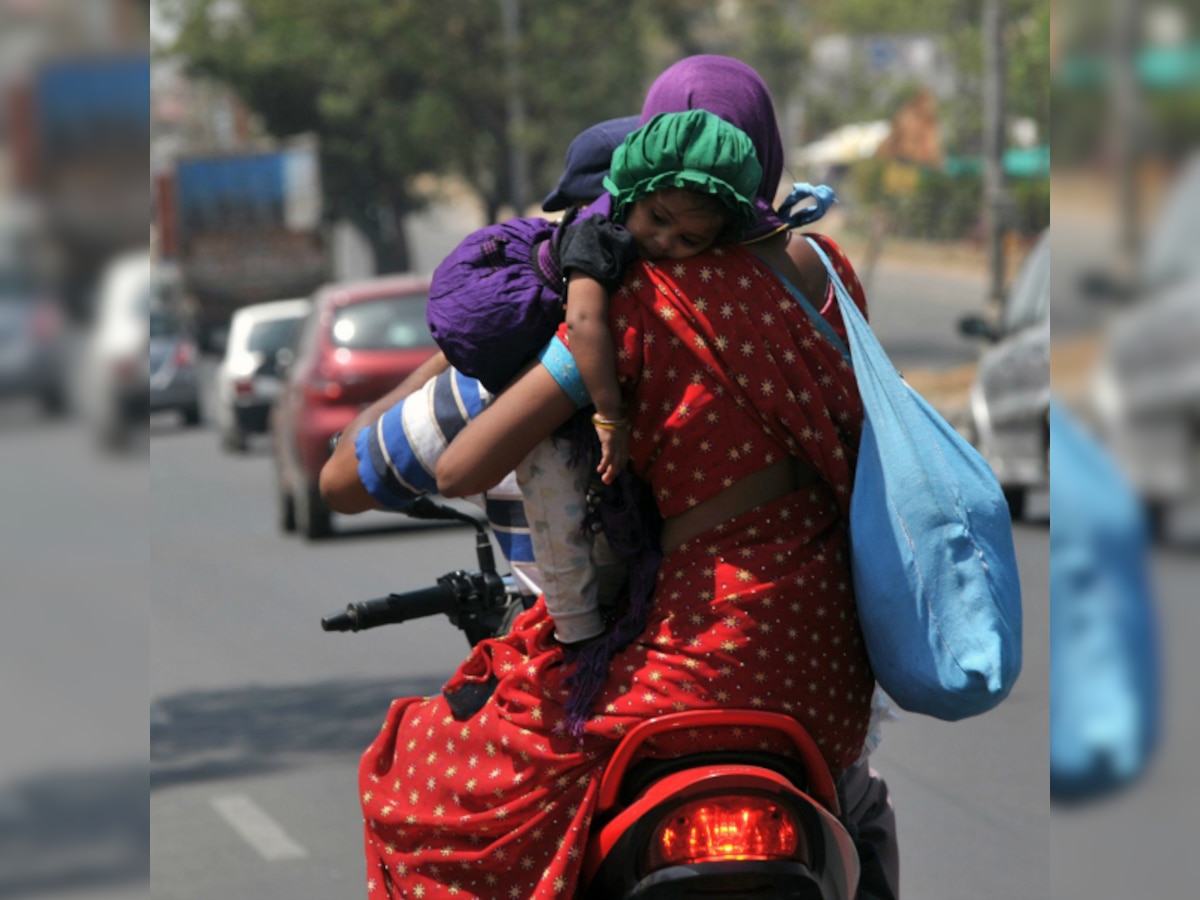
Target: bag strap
{"points": [[863, 343], [822, 324]]}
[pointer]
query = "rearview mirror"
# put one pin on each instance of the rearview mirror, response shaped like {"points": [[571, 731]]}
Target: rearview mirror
{"points": [[1100, 285], [977, 327]]}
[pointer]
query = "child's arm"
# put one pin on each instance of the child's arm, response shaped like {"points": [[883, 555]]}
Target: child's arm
{"points": [[592, 347], [592, 343]]}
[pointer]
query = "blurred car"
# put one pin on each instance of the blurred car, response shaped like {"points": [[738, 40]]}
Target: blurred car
{"points": [[173, 354], [33, 326], [115, 382], [359, 341], [1146, 397], [33, 340], [248, 379], [1146, 389], [1168, 252], [1009, 399]]}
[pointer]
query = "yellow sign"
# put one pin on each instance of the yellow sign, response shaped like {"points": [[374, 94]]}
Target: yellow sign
{"points": [[900, 180]]}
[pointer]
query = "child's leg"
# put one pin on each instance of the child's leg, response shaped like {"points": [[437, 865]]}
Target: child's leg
{"points": [[555, 502]]}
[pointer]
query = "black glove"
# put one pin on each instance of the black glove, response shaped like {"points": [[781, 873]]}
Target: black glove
{"points": [[599, 248]]}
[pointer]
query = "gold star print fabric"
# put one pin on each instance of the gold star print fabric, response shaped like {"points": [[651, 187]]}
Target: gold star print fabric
{"points": [[757, 613]]}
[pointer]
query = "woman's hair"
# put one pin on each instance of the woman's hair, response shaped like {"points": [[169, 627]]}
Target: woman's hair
{"points": [[732, 90]]}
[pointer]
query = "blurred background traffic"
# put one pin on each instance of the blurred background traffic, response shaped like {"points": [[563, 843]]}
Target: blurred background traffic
{"points": [[177, 345]]}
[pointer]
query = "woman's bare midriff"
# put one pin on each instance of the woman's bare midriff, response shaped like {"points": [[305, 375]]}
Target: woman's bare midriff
{"points": [[762, 487]]}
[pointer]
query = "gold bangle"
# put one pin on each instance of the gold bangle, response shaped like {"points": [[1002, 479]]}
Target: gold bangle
{"points": [[608, 424]]}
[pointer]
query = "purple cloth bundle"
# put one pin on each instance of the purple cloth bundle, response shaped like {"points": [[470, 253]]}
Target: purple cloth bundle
{"points": [[496, 300]]}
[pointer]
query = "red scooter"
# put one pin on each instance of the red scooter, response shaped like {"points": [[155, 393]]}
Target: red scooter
{"points": [[712, 824]]}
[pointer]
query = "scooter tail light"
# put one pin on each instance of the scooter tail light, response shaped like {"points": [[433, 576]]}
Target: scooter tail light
{"points": [[728, 828]]}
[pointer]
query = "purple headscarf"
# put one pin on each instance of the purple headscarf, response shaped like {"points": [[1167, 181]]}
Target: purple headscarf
{"points": [[732, 90]]}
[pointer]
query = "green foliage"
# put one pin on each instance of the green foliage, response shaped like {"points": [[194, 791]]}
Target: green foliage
{"points": [[944, 207], [1027, 47], [1080, 126], [1174, 121], [892, 17], [941, 206], [1031, 206], [398, 88], [1026, 40]]}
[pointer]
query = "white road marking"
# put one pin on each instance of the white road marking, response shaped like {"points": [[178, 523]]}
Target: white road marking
{"points": [[257, 829]]}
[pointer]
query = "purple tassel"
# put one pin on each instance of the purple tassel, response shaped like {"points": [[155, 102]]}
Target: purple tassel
{"points": [[629, 518]]}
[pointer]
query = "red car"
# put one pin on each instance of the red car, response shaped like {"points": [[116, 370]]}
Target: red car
{"points": [[360, 340]]}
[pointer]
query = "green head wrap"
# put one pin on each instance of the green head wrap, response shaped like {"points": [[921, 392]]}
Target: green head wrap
{"points": [[695, 150]]}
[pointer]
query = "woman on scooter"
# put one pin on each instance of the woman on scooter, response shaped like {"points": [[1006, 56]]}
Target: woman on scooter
{"points": [[744, 422]]}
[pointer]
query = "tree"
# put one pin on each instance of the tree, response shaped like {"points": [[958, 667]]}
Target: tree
{"points": [[397, 88], [1026, 49]]}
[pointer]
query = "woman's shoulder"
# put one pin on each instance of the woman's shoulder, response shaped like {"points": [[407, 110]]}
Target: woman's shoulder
{"points": [[840, 262]]}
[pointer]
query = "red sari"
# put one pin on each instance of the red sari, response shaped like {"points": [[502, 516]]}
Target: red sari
{"points": [[757, 613]]}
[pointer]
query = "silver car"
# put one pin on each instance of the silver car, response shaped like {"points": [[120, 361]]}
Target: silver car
{"points": [[248, 378], [1146, 390], [174, 365], [33, 342], [1146, 395], [34, 339], [1009, 401]]}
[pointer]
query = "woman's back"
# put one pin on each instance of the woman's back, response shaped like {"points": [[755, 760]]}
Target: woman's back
{"points": [[727, 377]]}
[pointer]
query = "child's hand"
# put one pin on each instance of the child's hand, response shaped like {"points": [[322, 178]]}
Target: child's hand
{"points": [[614, 452]]}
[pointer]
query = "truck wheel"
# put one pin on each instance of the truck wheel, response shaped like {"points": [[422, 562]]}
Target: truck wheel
{"points": [[313, 518]]}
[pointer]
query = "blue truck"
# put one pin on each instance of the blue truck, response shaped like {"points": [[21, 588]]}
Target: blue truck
{"points": [[79, 127], [243, 228]]}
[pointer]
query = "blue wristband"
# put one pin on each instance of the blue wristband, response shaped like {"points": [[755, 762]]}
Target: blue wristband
{"points": [[561, 365]]}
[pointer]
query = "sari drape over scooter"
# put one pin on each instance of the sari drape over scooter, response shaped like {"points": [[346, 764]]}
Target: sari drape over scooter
{"points": [[757, 613]]}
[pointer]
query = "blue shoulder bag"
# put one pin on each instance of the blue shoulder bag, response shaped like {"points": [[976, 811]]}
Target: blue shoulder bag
{"points": [[935, 571]]}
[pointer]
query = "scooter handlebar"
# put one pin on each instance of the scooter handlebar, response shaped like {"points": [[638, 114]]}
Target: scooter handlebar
{"points": [[392, 609]]}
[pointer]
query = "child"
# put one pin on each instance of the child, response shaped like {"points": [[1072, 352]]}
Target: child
{"points": [[679, 183]]}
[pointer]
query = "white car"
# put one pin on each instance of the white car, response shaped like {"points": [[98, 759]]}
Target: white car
{"points": [[1146, 389], [248, 379], [1010, 396], [115, 384]]}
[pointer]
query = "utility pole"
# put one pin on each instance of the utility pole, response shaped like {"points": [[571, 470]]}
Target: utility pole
{"points": [[1126, 117], [518, 162], [995, 199]]}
